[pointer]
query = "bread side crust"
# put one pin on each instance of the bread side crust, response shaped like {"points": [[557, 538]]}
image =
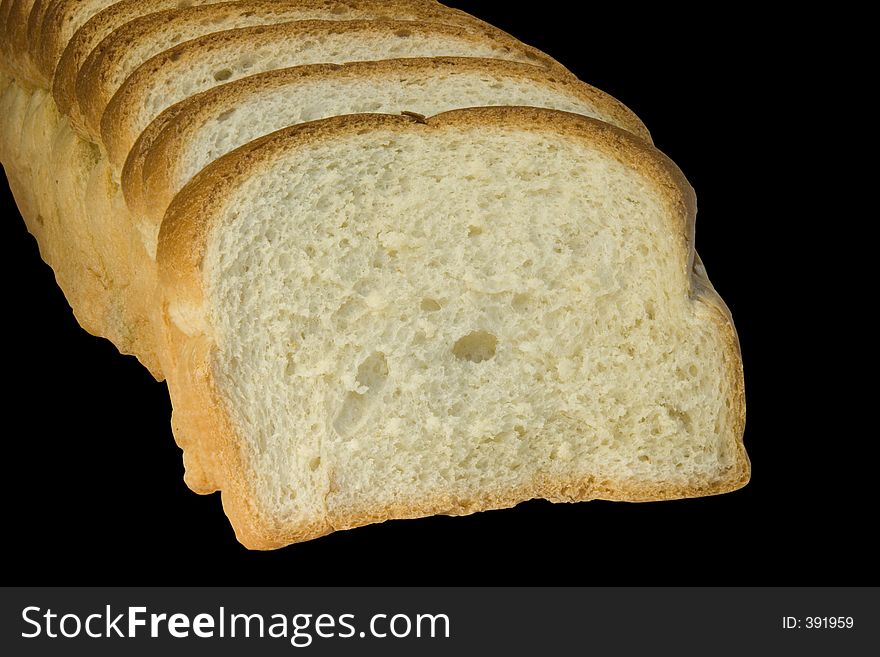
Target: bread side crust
{"points": [[34, 22], [182, 246], [75, 218], [118, 125], [25, 31], [5, 6], [153, 164]]}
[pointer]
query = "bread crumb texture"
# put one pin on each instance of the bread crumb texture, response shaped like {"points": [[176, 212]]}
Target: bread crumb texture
{"points": [[402, 317]]}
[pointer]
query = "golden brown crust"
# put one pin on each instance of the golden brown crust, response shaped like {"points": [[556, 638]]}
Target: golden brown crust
{"points": [[120, 124], [32, 39], [5, 6], [15, 35], [552, 489], [132, 175], [65, 195], [182, 246], [158, 156], [38, 12], [55, 29]]}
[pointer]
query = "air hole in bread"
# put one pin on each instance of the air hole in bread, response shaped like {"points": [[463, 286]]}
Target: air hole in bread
{"points": [[521, 301], [475, 347], [430, 305], [403, 32], [473, 231], [222, 74], [371, 377]]}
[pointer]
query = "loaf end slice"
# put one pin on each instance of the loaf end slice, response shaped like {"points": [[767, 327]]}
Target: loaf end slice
{"points": [[375, 317]]}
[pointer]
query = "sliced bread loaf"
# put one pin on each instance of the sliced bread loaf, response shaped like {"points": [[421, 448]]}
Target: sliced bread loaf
{"points": [[117, 56], [205, 62], [378, 317], [109, 275], [207, 126]]}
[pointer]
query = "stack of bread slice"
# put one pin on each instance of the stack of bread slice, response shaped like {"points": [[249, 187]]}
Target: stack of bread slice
{"points": [[391, 261]]}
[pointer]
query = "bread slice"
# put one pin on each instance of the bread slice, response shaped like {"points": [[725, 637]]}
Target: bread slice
{"points": [[375, 317], [207, 126], [117, 56], [62, 65]]}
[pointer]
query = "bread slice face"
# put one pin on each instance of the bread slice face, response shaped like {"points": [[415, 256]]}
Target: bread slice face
{"points": [[203, 63], [209, 125], [375, 317], [117, 56]]}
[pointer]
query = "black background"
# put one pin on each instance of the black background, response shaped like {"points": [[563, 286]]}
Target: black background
{"points": [[93, 483]]}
